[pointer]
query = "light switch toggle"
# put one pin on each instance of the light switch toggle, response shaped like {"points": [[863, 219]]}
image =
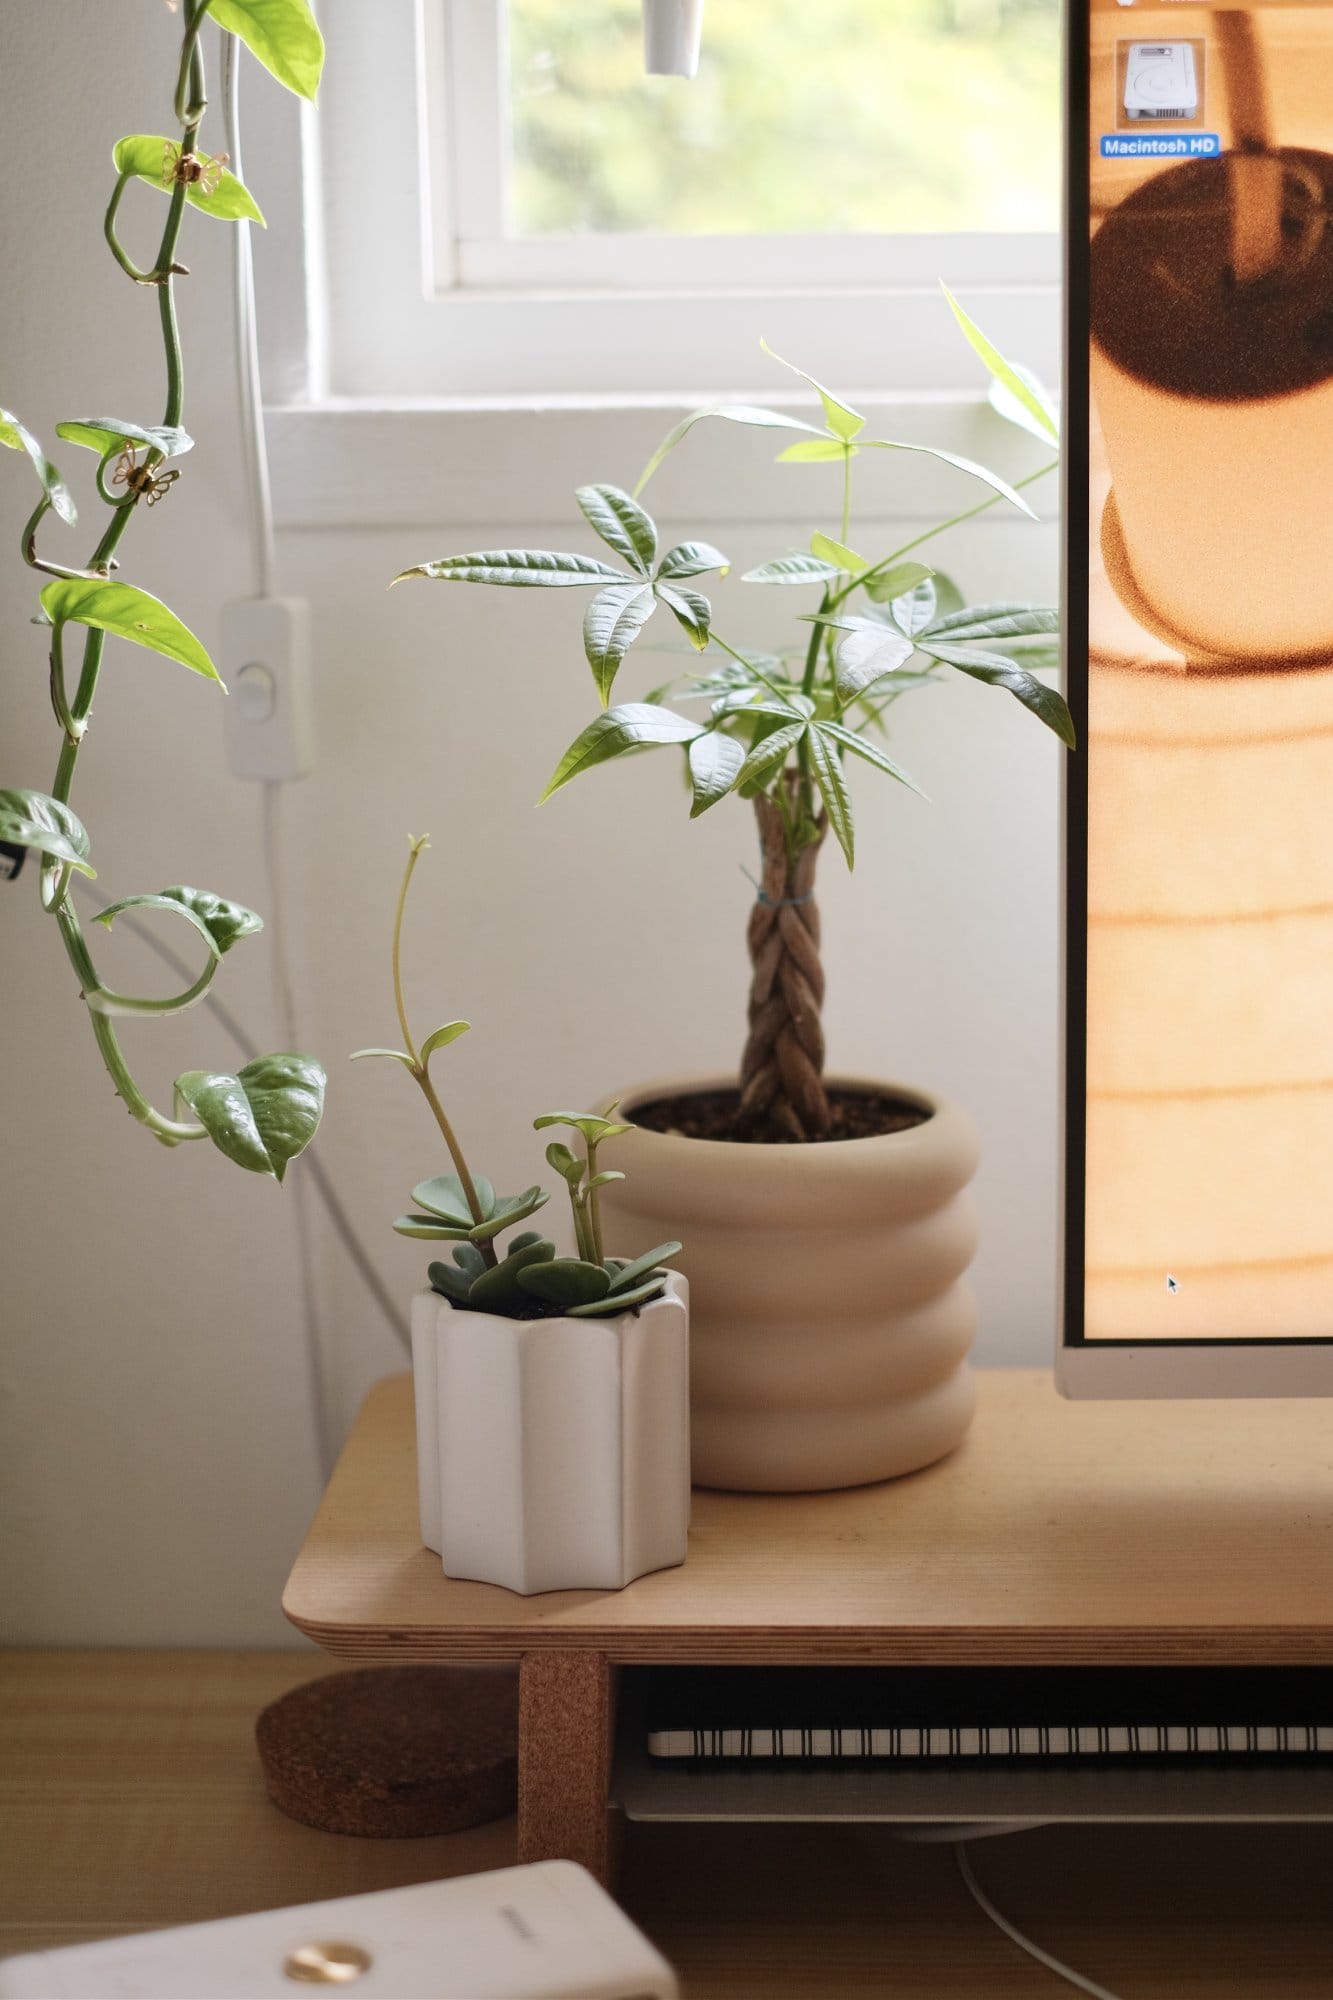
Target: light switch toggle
{"points": [[255, 693]]}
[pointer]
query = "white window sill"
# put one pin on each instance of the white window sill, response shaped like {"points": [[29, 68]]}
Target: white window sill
{"points": [[469, 462]]}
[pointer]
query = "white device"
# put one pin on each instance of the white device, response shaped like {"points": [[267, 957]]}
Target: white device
{"points": [[544, 1932], [265, 661], [1161, 81]]}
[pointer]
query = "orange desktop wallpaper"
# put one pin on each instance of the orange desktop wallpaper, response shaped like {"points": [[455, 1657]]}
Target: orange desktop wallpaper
{"points": [[1209, 1110]]}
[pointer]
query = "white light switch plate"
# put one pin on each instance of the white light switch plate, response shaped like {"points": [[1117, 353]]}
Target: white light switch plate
{"points": [[265, 662], [545, 1932]]}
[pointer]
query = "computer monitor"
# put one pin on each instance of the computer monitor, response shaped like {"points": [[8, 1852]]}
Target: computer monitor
{"points": [[1198, 1229]]}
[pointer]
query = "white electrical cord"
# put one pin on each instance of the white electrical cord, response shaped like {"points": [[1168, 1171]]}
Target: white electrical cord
{"points": [[255, 449], [1012, 1932], [310, 1162], [249, 388]]}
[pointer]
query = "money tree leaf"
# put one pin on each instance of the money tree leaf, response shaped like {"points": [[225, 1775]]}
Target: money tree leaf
{"points": [[611, 624], [264, 1115], [634, 725], [715, 761], [1045, 703], [833, 789], [793, 569], [1018, 383], [734, 413], [688, 559], [621, 523], [691, 611], [843, 421], [517, 568]]}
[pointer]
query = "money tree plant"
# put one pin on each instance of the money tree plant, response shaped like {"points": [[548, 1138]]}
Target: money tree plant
{"points": [[527, 1278], [265, 1113], [779, 729]]}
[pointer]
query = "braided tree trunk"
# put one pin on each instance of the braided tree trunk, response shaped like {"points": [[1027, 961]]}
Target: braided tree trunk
{"points": [[782, 1090]]}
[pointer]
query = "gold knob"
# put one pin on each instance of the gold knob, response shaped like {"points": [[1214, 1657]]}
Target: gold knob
{"points": [[326, 1964]]}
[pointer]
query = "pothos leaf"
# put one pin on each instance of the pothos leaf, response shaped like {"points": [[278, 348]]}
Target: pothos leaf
{"points": [[106, 434], [517, 568], [19, 438], [282, 34], [153, 159], [221, 922], [634, 725], [611, 624], [264, 1115], [622, 524], [130, 614], [35, 820]]}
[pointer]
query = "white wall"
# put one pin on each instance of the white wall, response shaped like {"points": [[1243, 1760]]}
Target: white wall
{"points": [[156, 1447]]}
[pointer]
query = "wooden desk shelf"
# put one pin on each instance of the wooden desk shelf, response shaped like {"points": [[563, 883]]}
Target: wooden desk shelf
{"points": [[1085, 1534]]}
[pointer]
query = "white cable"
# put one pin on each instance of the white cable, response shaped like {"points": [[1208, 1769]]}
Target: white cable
{"points": [[248, 384], [255, 451], [310, 1162], [316, 1369], [1012, 1932]]}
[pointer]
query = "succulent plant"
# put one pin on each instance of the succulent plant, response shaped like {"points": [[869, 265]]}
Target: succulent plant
{"points": [[530, 1280]]}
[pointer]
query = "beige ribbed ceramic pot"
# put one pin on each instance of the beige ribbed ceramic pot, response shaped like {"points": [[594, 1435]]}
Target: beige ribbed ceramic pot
{"points": [[830, 1323]]}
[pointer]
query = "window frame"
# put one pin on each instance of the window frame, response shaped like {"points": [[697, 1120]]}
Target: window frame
{"points": [[432, 304], [464, 46]]}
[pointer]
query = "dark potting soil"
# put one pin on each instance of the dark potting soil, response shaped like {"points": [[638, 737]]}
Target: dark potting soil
{"points": [[715, 1114]]}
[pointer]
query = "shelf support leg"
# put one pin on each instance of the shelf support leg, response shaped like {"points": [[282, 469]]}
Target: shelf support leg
{"points": [[566, 1721]]}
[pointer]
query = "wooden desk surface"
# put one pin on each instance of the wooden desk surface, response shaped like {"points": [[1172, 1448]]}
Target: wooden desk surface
{"points": [[131, 1798], [1059, 1532]]}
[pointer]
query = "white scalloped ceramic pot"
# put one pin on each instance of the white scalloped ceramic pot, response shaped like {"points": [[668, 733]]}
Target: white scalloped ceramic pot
{"points": [[553, 1454], [830, 1319]]}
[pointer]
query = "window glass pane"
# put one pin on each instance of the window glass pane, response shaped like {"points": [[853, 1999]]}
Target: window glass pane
{"points": [[806, 116]]}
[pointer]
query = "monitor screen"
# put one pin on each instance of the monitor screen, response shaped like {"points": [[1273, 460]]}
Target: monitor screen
{"points": [[1200, 618]]}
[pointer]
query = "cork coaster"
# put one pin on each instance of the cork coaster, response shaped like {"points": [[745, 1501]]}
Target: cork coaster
{"points": [[394, 1752]]}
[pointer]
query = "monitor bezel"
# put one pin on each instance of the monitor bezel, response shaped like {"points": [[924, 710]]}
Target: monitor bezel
{"points": [[1245, 1365]]}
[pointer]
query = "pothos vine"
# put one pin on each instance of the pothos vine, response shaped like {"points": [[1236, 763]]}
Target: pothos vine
{"points": [[268, 1111]]}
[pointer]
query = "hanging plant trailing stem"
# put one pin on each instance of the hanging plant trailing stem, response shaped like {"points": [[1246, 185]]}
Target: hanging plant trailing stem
{"points": [[267, 1112]]}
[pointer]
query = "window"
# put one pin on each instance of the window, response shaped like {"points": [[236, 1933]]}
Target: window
{"points": [[512, 208]]}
